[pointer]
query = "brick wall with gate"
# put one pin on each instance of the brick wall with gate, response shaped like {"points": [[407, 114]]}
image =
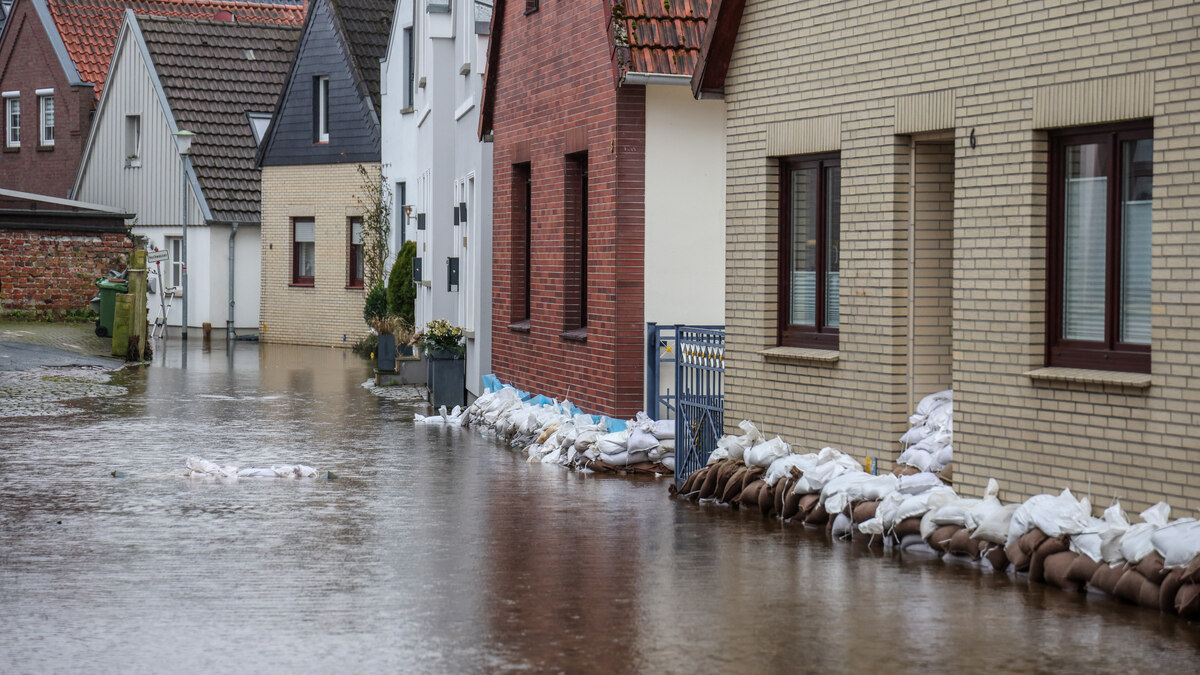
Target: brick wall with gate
{"points": [[56, 270]]}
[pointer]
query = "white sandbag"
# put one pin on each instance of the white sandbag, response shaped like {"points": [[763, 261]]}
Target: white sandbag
{"points": [[625, 458], [1137, 542], [1177, 542], [916, 434], [914, 544], [831, 463], [1054, 516], [918, 504], [782, 467], [663, 430], [586, 439], [872, 526], [944, 457], [993, 528], [887, 509], [957, 512], [641, 441], [763, 454], [668, 461], [942, 417], [1088, 542], [919, 458], [257, 473], [917, 483], [842, 526], [717, 455], [1110, 538], [878, 487], [837, 494], [613, 443], [735, 446], [932, 401]]}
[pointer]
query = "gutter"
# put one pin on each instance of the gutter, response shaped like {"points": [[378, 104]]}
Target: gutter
{"points": [[230, 334], [657, 78]]}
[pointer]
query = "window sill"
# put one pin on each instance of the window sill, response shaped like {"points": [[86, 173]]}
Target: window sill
{"points": [[1085, 376], [465, 68], [12, 148], [520, 326], [295, 285], [46, 148], [575, 334], [469, 334], [135, 164], [407, 111], [801, 355], [353, 287]]}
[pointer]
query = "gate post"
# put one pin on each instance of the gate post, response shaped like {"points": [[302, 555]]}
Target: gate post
{"points": [[652, 370]]}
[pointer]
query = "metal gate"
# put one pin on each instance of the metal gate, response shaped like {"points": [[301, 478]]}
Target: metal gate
{"points": [[700, 396]]}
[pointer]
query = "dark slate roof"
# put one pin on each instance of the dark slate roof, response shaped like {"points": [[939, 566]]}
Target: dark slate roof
{"points": [[214, 73], [366, 24], [659, 37], [89, 27]]}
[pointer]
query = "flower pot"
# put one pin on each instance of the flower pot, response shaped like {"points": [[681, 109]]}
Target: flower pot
{"points": [[385, 354], [406, 351], [447, 379]]}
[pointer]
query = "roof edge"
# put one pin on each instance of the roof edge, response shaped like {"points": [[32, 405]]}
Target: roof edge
{"points": [[73, 203], [487, 99], [725, 18], [60, 47]]}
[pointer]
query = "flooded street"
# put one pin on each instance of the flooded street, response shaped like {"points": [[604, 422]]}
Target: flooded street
{"points": [[438, 551]]}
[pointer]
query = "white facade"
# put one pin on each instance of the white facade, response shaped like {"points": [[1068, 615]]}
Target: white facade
{"points": [[131, 163], [434, 162]]}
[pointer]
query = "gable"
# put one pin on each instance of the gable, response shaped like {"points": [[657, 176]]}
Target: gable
{"points": [[353, 127]]}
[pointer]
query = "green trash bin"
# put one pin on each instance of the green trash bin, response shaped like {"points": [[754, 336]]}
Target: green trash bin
{"points": [[108, 303]]}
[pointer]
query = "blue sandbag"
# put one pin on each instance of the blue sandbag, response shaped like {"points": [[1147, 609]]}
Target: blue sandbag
{"points": [[491, 382]]}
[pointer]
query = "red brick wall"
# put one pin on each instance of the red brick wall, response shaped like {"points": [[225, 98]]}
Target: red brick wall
{"points": [[555, 95], [28, 63], [56, 269]]}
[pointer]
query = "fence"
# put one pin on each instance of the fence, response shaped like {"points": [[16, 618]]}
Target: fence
{"points": [[699, 400]]}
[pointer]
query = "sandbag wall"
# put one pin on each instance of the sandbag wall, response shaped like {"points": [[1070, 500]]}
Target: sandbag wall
{"points": [[1052, 539], [550, 432]]}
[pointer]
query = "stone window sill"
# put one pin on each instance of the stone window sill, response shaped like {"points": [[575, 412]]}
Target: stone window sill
{"points": [[1084, 376], [301, 285], [575, 335], [354, 287], [46, 148], [407, 111], [520, 326], [801, 355]]}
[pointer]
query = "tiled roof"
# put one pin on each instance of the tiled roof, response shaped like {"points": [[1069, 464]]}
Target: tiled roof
{"points": [[367, 25], [214, 73], [658, 36], [89, 27]]}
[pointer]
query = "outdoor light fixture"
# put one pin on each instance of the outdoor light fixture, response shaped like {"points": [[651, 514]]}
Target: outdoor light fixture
{"points": [[183, 142]]}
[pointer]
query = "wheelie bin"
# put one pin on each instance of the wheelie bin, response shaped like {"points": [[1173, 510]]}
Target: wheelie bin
{"points": [[108, 303]]}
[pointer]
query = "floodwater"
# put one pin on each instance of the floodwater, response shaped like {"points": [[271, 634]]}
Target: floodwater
{"points": [[438, 551]]}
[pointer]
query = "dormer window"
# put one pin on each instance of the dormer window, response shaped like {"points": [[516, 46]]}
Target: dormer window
{"points": [[12, 118], [258, 124], [45, 117], [321, 109]]}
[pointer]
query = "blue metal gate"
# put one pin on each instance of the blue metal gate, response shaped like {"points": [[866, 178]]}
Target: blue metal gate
{"points": [[700, 396]]}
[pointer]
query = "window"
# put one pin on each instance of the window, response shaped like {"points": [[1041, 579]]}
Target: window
{"points": [[531, 6], [809, 260], [175, 265], [356, 253], [304, 237], [522, 190], [410, 70], [1098, 248], [133, 140], [12, 117], [321, 109], [259, 123], [401, 214], [576, 245], [46, 117]]}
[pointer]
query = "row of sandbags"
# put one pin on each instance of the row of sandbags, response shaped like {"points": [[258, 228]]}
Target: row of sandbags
{"points": [[198, 467], [928, 443], [1053, 539], [552, 432]]}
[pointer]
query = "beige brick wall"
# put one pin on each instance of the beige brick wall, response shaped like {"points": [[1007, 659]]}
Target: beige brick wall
{"points": [[857, 76], [328, 313]]}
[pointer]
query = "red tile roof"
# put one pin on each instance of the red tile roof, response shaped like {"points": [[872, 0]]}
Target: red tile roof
{"points": [[659, 36], [89, 27]]}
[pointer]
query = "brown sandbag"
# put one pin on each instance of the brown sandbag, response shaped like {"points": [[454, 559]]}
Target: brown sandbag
{"points": [[1030, 541], [1191, 573], [1057, 571], [708, 489], [905, 470], [791, 504], [906, 527], [1151, 567], [997, 557], [962, 544], [807, 503], [766, 500], [1106, 577], [724, 473], [1082, 569], [1187, 601], [734, 486], [749, 496], [697, 476], [817, 515], [1047, 548], [782, 489], [864, 511], [940, 539], [1131, 587], [1169, 589], [1018, 557], [751, 474]]}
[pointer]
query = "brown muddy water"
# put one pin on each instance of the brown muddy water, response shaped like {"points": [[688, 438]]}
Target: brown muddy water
{"points": [[437, 551]]}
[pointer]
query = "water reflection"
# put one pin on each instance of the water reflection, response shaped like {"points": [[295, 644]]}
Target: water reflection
{"points": [[439, 552]]}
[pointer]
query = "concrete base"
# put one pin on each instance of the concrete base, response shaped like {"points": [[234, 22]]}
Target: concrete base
{"points": [[409, 370]]}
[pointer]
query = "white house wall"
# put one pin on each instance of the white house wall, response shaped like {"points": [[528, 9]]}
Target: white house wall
{"points": [[685, 207]]}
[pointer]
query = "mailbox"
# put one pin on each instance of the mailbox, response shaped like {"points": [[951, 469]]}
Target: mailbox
{"points": [[416, 270], [456, 221], [420, 221], [462, 212], [452, 274]]}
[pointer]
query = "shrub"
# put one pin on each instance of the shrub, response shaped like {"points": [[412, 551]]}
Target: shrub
{"points": [[375, 306], [402, 292]]}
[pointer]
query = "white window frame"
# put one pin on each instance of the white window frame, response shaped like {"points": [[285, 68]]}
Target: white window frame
{"points": [[174, 247], [45, 96], [133, 140], [323, 109], [12, 106]]}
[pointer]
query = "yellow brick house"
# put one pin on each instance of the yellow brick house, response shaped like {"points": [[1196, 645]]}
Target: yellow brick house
{"points": [[1001, 198]]}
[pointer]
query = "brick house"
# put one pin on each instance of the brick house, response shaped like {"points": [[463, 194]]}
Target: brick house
{"points": [[326, 126], [999, 199], [54, 56], [608, 178]]}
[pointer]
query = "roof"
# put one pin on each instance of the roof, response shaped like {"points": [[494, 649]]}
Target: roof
{"points": [[719, 38], [366, 25], [89, 27], [661, 37], [214, 73]]}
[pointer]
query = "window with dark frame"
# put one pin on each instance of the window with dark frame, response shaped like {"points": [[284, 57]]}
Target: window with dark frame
{"points": [[356, 253], [531, 6], [809, 251], [410, 99], [321, 109], [1099, 202], [522, 190], [576, 244], [303, 251]]}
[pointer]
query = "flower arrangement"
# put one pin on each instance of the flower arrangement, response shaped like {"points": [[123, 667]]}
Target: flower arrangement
{"points": [[440, 335], [394, 325]]}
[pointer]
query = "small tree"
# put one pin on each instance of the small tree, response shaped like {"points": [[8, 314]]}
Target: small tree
{"points": [[376, 204], [402, 292]]}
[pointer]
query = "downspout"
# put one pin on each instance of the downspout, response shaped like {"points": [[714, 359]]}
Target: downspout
{"points": [[229, 334]]}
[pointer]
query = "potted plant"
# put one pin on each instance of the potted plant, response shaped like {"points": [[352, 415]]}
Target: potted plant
{"points": [[391, 329], [442, 345]]}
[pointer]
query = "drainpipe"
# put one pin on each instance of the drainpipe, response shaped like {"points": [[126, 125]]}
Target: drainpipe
{"points": [[658, 78], [229, 335]]}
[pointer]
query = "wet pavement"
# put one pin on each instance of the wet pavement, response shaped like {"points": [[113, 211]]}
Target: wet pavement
{"points": [[437, 551], [29, 345]]}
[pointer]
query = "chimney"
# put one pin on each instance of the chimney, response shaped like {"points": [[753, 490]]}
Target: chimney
{"points": [[223, 15]]}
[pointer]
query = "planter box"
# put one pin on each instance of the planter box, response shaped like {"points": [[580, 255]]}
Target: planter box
{"points": [[385, 354], [447, 377]]}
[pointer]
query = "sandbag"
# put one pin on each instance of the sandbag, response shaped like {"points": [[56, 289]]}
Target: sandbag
{"points": [[962, 544], [749, 494], [906, 527], [1132, 587], [864, 511], [1017, 556], [1178, 543], [807, 503], [1187, 601], [1057, 571], [641, 441], [842, 527], [791, 505], [1191, 573], [996, 557], [763, 454], [724, 473], [708, 490], [766, 499], [1106, 577], [817, 516], [994, 527], [1030, 541], [1082, 569], [1037, 559], [734, 486], [1169, 589], [1152, 568], [697, 476], [940, 539], [1138, 540]]}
